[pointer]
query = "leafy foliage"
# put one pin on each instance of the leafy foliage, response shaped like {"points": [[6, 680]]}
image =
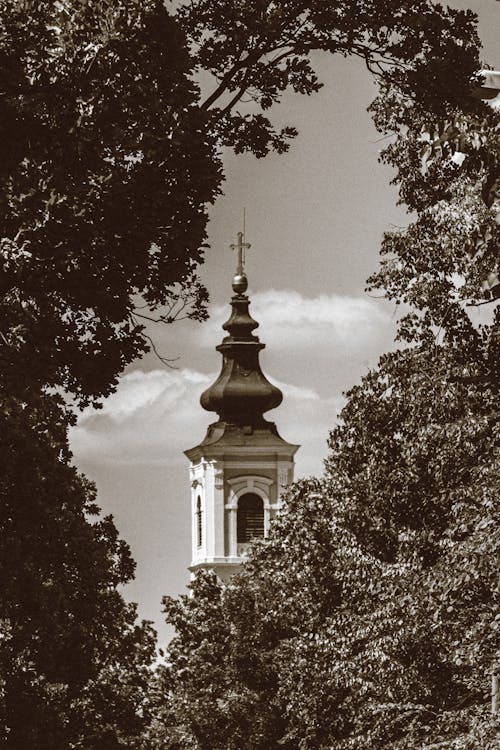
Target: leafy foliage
{"points": [[367, 620], [106, 168], [448, 167], [260, 49], [73, 660]]}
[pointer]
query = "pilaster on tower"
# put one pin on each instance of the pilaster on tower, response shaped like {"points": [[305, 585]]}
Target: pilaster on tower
{"points": [[239, 470]]}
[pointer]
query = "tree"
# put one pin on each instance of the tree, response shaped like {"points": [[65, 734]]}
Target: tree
{"points": [[74, 663], [234, 677], [106, 169], [110, 153], [415, 461], [448, 166]]}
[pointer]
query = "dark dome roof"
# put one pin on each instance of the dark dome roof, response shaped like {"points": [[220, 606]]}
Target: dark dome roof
{"points": [[241, 394]]}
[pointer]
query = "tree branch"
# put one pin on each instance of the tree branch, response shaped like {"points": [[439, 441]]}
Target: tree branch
{"points": [[164, 360], [236, 98], [249, 60]]}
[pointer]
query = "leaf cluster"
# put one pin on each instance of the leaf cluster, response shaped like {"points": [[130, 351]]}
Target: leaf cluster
{"points": [[73, 658], [106, 167]]}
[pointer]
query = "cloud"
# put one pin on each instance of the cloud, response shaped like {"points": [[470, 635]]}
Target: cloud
{"points": [[324, 343], [155, 415], [295, 392], [290, 320], [152, 392], [150, 418]]}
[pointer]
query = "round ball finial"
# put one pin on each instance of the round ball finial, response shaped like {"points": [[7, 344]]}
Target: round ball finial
{"points": [[240, 283]]}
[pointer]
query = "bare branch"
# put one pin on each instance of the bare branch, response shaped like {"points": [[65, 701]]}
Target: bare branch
{"points": [[288, 51], [384, 138], [164, 360], [168, 316]]}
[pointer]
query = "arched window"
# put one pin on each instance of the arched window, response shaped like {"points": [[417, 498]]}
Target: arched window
{"points": [[250, 519], [199, 531]]}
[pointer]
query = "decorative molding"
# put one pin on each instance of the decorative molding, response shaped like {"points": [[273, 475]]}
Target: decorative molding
{"points": [[252, 464], [250, 480]]}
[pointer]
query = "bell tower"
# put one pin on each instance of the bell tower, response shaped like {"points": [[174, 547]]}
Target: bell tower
{"points": [[240, 468]]}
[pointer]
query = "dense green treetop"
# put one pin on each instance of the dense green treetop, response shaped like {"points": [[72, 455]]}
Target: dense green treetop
{"points": [[74, 662]]}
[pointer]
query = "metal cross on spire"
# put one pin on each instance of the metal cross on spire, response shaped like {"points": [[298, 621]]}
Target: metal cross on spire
{"points": [[240, 247]]}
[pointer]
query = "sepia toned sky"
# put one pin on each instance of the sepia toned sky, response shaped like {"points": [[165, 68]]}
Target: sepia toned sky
{"points": [[315, 218]]}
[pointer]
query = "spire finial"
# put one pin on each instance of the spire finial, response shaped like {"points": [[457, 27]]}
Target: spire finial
{"points": [[241, 246], [240, 281]]}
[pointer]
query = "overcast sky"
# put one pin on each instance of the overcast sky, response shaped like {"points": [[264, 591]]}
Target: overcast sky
{"points": [[315, 218]]}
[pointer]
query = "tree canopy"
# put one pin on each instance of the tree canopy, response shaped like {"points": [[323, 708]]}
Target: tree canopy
{"points": [[74, 663], [106, 169], [369, 618]]}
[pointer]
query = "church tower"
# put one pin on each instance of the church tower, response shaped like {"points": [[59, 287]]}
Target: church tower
{"points": [[239, 470]]}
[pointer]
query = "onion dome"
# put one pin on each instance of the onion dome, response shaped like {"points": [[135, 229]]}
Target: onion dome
{"points": [[241, 394]]}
